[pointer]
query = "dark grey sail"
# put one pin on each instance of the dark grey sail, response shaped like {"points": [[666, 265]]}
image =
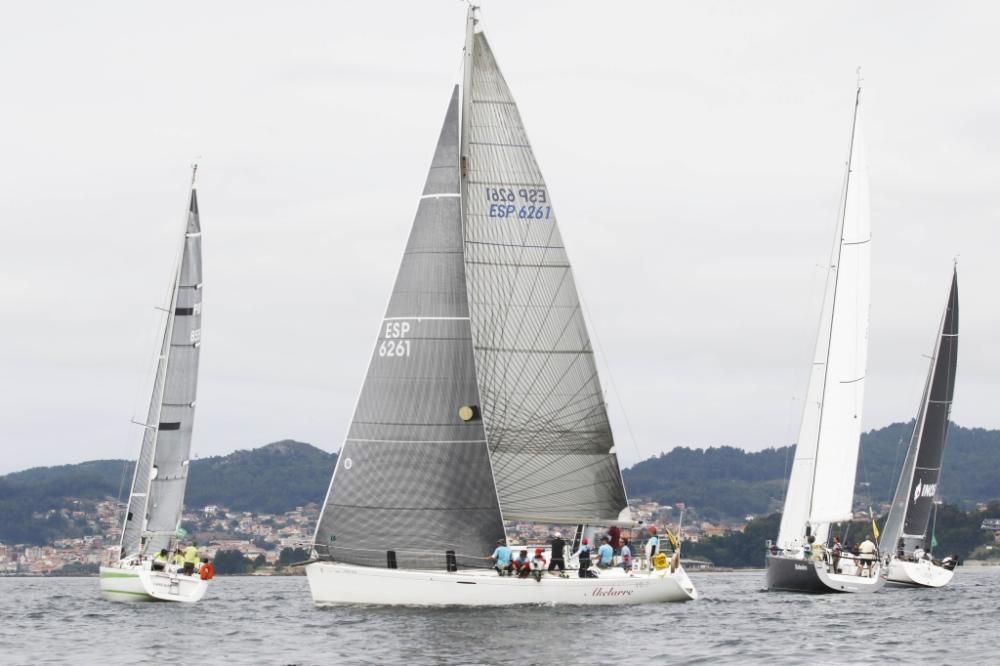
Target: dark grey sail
{"points": [[157, 497], [550, 440], [909, 516], [413, 476]]}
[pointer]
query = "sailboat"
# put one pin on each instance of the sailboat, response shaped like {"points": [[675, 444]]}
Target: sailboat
{"points": [[482, 403], [821, 487], [905, 534], [156, 498]]}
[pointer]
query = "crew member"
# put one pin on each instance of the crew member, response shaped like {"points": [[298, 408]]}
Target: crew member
{"points": [[558, 560]]}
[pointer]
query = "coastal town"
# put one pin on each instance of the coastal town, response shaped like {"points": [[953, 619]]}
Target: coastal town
{"points": [[260, 538]]}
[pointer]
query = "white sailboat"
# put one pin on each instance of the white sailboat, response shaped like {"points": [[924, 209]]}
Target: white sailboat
{"points": [[821, 488], [911, 562], [156, 499], [482, 401]]}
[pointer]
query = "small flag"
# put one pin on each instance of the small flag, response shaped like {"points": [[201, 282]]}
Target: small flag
{"points": [[933, 542], [181, 532], [875, 531]]}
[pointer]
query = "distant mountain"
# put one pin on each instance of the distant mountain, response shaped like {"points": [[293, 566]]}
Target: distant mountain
{"points": [[720, 482], [729, 482], [270, 479]]}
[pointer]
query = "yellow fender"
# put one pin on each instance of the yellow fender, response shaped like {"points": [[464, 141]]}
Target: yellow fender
{"points": [[660, 561]]}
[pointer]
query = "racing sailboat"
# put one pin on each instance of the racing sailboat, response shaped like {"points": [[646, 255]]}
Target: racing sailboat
{"points": [[821, 487], [905, 536], [156, 499], [482, 401]]}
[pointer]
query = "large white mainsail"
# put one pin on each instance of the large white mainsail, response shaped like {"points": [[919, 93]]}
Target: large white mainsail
{"points": [[821, 487], [156, 499]]}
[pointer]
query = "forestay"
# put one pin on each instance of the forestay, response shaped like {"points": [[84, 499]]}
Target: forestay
{"points": [[157, 497], [550, 440], [821, 487], [910, 514], [414, 473]]}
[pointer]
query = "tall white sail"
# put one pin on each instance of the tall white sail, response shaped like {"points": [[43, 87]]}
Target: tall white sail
{"points": [[821, 487], [157, 496], [548, 431]]}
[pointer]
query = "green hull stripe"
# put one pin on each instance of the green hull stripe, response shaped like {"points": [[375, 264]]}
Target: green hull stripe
{"points": [[118, 575]]}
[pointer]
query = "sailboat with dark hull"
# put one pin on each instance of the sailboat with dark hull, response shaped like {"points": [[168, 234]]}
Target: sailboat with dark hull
{"points": [[905, 536], [821, 487], [156, 499], [482, 401]]}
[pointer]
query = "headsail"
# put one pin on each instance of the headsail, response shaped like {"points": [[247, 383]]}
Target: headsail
{"points": [[911, 505], [414, 473], [550, 440], [821, 487], [157, 497]]}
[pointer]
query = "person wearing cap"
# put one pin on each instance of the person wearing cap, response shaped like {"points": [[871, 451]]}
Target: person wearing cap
{"points": [[626, 555], [558, 560], [538, 565], [501, 557], [583, 555], [605, 554]]}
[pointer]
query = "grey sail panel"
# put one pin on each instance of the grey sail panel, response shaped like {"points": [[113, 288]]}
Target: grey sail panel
{"points": [[927, 470], [157, 499], [413, 475], [546, 422]]}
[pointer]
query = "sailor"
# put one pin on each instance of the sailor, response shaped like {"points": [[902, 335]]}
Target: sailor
{"points": [[537, 565], [918, 553], [206, 571], [866, 555], [558, 546], [835, 553], [190, 558], [615, 538], [160, 560], [583, 555], [605, 554], [521, 565], [950, 562], [501, 557], [626, 555], [179, 558], [653, 545]]}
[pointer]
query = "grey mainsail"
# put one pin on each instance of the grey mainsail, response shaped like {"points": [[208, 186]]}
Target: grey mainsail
{"points": [[157, 496], [414, 474], [550, 439], [909, 516]]}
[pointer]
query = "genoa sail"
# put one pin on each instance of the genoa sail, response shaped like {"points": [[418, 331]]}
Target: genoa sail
{"points": [[156, 500], [821, 486], [550, 440], [413, 476], [910, 514]]}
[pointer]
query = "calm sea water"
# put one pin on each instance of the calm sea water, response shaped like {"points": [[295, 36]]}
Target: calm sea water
{"points": [[248, 620]]}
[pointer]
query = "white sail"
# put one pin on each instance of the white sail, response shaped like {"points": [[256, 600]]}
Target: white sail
{"points": [[821, 487], [157, 495]]}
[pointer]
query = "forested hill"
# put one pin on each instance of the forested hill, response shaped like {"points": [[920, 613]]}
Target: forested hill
{"points": [[729, 482], [270, 479]]}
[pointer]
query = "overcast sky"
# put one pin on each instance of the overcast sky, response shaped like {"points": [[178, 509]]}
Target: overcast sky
{"points": [[694, 153]]}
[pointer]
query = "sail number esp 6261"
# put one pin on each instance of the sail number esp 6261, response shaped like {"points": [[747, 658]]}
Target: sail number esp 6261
{"points": [[395, 344], [524, 203]]}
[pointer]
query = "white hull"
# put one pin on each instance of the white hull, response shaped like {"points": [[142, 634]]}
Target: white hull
{"points": [[922, 574], [124, 582], [334, 583]]}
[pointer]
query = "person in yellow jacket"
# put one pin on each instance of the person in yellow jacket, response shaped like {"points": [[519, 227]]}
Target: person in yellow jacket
{"points": [[178, 558], [190, 558]]}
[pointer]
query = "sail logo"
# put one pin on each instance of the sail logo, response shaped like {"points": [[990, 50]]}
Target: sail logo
{"points": [[924, 490]]}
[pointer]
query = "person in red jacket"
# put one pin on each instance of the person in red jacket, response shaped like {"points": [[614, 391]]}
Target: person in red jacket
{"points": [[206, 570]]}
